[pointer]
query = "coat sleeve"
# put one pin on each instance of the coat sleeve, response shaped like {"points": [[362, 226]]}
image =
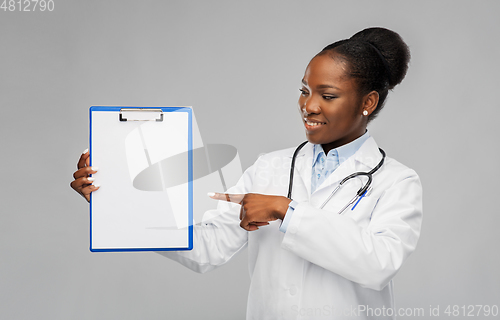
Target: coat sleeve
{"points": [[219, 236], [371, 255]]}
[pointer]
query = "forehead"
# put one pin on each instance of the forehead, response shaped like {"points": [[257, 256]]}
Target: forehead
{"points": [[327, 69]]}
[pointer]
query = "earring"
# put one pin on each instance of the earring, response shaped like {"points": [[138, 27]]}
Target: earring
{"points": [[365, 113]]}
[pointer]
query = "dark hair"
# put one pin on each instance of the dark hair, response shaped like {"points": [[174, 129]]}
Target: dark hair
{"points": [[377, 58]]}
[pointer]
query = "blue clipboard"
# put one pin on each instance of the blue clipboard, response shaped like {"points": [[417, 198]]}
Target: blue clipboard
{"points": [[145, 170]]}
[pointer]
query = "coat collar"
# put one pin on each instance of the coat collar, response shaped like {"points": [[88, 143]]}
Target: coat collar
{"points": [[365, 159]]}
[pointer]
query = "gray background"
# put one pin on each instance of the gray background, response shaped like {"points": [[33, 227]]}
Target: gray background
{"points": [[239, 63]]}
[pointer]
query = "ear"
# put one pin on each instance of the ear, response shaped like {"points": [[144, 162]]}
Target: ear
{"points": [[370, 102]]}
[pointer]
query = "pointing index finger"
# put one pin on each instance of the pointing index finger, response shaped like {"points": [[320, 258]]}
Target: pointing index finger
{"points": [[236, 198]]}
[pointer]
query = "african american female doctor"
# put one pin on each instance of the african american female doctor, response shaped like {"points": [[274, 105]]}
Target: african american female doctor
{"points": [[310, 256]]}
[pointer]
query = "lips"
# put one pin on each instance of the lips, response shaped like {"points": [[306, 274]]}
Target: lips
{"points": [[313, 123]]}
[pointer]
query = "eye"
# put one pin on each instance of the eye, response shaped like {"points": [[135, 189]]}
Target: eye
{"points": [[303, 92], [328, 97]]}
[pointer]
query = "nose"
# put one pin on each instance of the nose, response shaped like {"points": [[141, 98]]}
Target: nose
{"points": [[310, 105]]}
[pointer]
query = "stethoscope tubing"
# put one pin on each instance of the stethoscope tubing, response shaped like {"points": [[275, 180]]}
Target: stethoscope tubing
{"points": [[292, 169], [361, 192]]}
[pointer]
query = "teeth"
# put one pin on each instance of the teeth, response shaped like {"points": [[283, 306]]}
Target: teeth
{"points": [[313, 123]]}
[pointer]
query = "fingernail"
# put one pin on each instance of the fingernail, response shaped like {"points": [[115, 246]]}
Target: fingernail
{"points": [[211, 194], [85, 151], [90, 178], [97, 185], [94, 168]]}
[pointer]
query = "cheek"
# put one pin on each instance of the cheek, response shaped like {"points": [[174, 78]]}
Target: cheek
{"points": [[342, 116]]}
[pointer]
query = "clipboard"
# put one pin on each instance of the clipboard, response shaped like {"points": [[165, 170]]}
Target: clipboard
{"points": [[145, 161]]}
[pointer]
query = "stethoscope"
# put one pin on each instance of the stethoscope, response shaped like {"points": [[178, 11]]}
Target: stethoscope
{"points": [[361, 192]]}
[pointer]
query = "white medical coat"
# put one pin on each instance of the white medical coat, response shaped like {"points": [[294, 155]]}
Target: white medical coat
{"points": [[326, 266]]}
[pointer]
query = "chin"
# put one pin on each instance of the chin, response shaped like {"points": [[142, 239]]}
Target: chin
{"points": [[314, 140]]}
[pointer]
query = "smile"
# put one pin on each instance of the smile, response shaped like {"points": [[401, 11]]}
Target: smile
{"points": [[313, 124]]}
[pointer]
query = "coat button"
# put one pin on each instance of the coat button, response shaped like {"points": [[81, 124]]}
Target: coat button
{"points": [[293, 229], [293, 290]]}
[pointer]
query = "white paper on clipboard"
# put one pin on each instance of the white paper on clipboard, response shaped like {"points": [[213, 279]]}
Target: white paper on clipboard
{"points": [[144, 157]]}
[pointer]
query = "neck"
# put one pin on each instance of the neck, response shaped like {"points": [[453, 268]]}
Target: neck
{"points": [[338, 143]]}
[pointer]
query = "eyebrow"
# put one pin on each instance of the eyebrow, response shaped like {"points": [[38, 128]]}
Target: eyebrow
{"points": [[326, 86], [322, 86]]}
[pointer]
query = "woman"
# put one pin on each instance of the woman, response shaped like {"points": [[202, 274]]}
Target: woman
{"points": [[310, 255]]}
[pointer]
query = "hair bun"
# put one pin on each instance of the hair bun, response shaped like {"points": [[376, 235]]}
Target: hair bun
{"points": [[392, 47]]}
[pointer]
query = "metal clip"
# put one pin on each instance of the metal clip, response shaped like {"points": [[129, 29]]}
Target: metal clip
{"points": [[141, 114]]}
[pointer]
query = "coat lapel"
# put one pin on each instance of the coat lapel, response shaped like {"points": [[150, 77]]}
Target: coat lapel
{"points": [[366, 158]]}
